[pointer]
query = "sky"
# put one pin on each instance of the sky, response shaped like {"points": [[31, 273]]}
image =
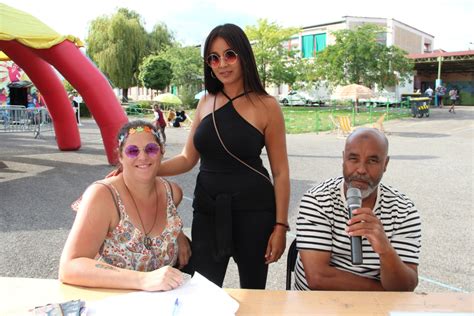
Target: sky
{"points": [[451, 22]]}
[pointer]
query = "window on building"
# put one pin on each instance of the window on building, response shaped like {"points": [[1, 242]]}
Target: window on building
{"points": [[427, 48], [381, 38], [320, 42], [312, 44], [307, 46], [292, 43]]}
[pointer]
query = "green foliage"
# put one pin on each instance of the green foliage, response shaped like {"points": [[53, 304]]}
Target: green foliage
{"points": [[117, 44], [143, 104], [155, 72], [68, 87], [276, 63], [159, 39], [84, 110], [186, 94], [186, 63], [358, 57]]}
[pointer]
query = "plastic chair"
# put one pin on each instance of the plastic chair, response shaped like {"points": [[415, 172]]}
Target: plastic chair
{"points": [[335, 123], [379, 124], [290, 263], [345, 124]]}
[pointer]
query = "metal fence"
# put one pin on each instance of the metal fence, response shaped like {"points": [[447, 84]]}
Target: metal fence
{"points": [[17, 119], [319, 119]]}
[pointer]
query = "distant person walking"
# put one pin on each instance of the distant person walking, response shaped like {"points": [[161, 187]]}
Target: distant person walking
{"points": [[429, 93], [3, 96], [453, 96], [440, 92], [159, 120], [75, 106]]}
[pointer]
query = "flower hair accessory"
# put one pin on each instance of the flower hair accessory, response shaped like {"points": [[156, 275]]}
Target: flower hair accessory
{"points": [[139, 129]]}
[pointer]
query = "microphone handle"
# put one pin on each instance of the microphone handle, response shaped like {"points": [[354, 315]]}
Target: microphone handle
{"points": [[356, 242], [356, 250]]}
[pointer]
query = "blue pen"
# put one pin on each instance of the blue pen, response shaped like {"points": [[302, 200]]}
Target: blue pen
{"points": [[175, 308]]}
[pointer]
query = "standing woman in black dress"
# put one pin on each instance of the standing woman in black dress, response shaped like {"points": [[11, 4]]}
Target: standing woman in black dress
{"points": [[238, 211]]}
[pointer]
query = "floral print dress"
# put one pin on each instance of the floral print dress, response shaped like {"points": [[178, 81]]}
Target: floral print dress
{"points": [[123, 246]]}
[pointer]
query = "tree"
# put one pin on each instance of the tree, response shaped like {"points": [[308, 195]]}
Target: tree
{"points": [[186, 64], [68, 87], [117, 44], [155, 72], [275, 62], [358, 57], [159, 39]]}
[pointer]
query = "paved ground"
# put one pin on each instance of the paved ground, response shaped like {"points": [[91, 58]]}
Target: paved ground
{"points": [[431, 161]]}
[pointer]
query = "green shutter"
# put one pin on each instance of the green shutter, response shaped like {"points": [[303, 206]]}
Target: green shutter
{"points": [[307, 46], [320, 42]]}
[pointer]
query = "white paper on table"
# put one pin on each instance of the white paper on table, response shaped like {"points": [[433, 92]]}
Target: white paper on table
{"points": [[198, 296]]}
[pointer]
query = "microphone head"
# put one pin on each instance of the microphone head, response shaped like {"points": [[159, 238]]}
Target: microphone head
{"points": [[354, 196]]}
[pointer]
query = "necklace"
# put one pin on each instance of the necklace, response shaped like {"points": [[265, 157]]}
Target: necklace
{"points": [[146, 240]]}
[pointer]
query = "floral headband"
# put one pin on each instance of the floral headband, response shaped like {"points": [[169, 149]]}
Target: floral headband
{"points": [[139, 129]]}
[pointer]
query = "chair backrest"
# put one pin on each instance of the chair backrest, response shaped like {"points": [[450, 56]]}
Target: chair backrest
{"points": [[379, 123], [381, 118], [290, 263], [345, 124], [333, 122]]}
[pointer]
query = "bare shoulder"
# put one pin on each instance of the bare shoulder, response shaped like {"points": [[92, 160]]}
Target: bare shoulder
{"points": [[97, 191], [204, 106], [176, 191], [98, 201]]}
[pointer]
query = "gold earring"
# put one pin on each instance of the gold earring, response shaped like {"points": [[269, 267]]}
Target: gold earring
{"points": [[213, 75]]}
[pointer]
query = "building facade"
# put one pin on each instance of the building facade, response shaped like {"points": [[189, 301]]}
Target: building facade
{"points": [[454, 70], [315, 38]]}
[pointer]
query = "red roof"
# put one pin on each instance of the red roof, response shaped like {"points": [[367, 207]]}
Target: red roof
{"points": [[439, 53]]}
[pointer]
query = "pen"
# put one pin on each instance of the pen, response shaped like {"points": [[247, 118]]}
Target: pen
{"points": [[175, 308]]}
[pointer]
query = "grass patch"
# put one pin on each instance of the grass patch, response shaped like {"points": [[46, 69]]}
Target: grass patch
{"points": [[314, 119], [310, 120]]}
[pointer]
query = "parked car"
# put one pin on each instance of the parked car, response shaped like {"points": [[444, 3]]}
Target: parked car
{"points": [[293, 98], [311, 100], [300, 98]]}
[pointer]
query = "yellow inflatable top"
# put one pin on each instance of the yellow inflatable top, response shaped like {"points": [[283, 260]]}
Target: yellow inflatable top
{"points": [[28, 30]]}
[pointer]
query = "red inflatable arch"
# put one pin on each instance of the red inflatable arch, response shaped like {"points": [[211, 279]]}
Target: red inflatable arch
{"points": [[66, 57]]}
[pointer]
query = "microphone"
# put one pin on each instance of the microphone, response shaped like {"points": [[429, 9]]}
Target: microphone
{"points": [[354, 201]]}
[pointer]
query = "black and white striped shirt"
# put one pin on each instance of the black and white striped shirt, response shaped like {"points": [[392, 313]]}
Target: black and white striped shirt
{"points": [[322, 219]]}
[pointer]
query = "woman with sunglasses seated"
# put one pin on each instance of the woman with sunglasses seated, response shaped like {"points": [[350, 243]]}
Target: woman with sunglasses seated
{"points": [[127, 233], [238, 212]]}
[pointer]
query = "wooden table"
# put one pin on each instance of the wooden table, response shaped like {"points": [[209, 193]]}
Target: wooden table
{"points": [[17, 295]]}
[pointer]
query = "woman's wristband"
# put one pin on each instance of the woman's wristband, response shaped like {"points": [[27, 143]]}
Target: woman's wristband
{"points": [[284, 225]]}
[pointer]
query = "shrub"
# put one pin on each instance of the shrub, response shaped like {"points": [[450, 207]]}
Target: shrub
{"points": [[84, 110]]}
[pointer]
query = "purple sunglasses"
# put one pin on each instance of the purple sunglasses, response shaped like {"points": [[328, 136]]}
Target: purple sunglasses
{"points": [[151, 149]]}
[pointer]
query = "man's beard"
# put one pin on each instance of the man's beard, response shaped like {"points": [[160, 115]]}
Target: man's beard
{"points": [[371, 186]]}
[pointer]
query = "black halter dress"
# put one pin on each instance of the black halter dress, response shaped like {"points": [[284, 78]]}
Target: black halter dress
{"points": [[234, 206]]}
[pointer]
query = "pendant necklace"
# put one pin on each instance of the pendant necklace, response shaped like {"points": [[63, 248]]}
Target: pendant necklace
{"points": [[147, 241]]}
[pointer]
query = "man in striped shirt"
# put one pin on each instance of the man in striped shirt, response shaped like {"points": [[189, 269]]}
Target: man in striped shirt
{"points": [[387, 221]]}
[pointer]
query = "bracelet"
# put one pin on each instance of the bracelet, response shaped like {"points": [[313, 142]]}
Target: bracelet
{"points": [[284, 225]]}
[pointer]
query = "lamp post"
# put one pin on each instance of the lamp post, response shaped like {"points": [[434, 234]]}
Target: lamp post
{"points": [[439, 82]]}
